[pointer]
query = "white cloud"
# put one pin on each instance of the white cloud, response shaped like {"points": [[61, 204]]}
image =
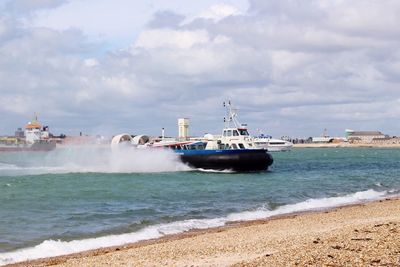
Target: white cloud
{"points": [[292, 67], [91, 62], [118, 21], [18, 104], [171, 38], [120, 85], [366, 18], [215, 13]]}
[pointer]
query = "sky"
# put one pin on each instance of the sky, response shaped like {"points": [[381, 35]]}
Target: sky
{"points": [[291, 67]]}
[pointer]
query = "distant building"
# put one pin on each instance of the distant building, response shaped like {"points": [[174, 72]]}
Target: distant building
{"points": [[324, 138], [386, 141], [19, 133], [364, 136]]}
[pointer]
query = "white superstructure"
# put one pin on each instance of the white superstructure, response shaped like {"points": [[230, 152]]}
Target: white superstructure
{"points": [[234, 135], [34, 132], [324, 138], [273, 145]]}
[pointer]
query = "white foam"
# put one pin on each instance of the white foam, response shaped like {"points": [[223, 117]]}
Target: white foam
{"points": [[6, 166], [96, 159], [125, 161], [51, 248], [214, 171], [310, 205]]}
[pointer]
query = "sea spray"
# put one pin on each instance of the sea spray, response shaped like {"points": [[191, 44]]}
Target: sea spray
{"points": [[6, 166], [144, 160], [96, 159]]}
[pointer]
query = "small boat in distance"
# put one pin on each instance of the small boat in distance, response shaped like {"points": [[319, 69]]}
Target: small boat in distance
{"points": [[272, 144], [34, 138]]}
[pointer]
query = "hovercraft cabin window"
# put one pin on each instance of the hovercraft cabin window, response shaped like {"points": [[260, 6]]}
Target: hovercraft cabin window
{"points": [[235, 133], [241, 146], [243, 132]]}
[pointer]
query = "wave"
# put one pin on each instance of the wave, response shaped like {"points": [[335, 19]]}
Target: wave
{"points": [[6, 166], [310, 205], [50, 248]]}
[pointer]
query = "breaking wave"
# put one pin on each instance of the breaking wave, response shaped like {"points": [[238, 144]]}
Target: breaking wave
{"points": [[50, 248]]}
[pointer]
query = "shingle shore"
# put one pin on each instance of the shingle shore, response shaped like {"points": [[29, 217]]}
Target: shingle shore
{"points": [[358, 235]]}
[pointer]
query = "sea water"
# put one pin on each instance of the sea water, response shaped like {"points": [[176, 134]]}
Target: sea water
{"points": [[76, 199]]}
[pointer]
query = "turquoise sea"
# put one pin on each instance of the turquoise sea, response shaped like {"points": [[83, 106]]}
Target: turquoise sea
{"points": [[76, 199]]}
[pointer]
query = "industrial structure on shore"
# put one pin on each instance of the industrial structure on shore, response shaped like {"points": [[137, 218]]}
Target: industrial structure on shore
{"points": [[370, 137], [356, 138]]}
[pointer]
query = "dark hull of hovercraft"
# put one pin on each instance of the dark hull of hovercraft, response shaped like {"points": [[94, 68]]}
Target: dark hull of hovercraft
{"points": [[241, 160]]}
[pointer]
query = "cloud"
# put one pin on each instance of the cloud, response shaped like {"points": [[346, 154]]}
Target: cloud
{"points": [[27, 6], [215, 13], [292, 68], [151, 39], [166, 19]]}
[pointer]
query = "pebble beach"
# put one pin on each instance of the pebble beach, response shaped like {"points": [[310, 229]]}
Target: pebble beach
{"points": [[358, 235]]}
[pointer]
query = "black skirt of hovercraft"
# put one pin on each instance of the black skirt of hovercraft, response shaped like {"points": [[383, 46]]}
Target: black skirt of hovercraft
{"points": [[241, 160]]}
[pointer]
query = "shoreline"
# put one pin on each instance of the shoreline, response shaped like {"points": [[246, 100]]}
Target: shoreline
{"points": [[345, 145], [250, 249]]}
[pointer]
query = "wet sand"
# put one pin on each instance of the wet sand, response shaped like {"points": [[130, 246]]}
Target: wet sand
{"points": [[357, 235]]}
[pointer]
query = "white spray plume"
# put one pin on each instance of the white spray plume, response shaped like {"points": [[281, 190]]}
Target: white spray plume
{"points": [[96, 159]]}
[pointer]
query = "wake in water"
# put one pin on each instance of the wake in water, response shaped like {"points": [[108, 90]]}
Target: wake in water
{"points": [[51, 248], [6, 166], [214, 171], [93, 159]]}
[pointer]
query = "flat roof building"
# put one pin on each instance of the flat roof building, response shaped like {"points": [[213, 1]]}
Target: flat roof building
{"points": [[363, 136]]}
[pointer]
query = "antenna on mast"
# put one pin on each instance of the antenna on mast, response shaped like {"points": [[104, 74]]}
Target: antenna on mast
{"points": [[231, 114], [35, 117]]}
